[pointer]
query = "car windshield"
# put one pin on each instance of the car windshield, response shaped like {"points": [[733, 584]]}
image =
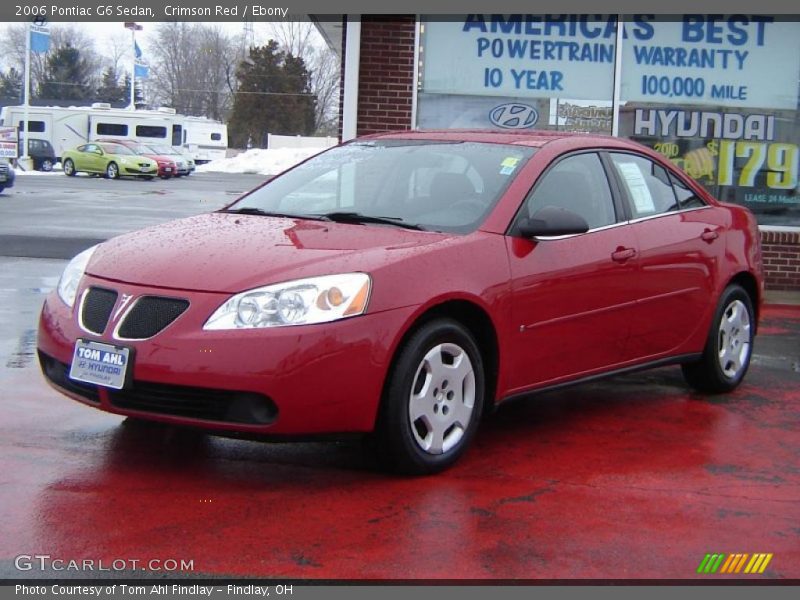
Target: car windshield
{"points": [[116, 149], [431, 185]]}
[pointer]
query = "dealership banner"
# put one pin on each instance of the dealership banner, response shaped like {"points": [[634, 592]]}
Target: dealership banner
{"points": [[520, 56], [8, 142], [740, 61], [750, 157]]}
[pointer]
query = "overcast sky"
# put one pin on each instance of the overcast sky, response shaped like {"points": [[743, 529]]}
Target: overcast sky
{"points": [[103, 33]]}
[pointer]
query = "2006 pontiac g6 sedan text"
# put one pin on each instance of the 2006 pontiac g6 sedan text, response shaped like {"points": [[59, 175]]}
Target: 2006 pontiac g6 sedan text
{"points": [[404, 284]]}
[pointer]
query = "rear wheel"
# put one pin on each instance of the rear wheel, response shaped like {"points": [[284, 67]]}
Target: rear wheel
{"points": [[47, 165], [433, 399], [729, 347], [112, 170], [69, 167]]}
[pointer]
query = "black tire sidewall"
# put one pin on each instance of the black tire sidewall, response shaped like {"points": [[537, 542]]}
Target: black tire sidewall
{"points": [[731, 294], [71, 171], [399, 442], [108, 170]]}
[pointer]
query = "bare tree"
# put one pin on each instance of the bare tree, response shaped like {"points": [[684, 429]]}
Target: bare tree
{"points": [[300, 38], [192, 67]]}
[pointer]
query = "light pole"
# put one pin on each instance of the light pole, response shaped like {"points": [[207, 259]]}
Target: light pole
{"points": [[134, 27]]}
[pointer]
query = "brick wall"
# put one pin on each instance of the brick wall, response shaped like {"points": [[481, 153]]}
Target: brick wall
{"points": [[781, 251], [386, 81]]}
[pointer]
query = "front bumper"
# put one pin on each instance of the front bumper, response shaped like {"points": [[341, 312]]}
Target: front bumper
{"points": [[137, 172], [311, 379]]}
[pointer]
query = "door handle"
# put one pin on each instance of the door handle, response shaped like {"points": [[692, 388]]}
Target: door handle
{"points": [[709, 236], [621, 254]]}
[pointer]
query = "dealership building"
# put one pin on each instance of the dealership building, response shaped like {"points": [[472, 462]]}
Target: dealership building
{"points": [[715, 94]]}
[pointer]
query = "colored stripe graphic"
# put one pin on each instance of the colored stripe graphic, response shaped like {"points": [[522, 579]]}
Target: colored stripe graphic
{"points": [[703, 564], [725, 568], [766, 562], [741, 562], [734, 563], [717, 563]]}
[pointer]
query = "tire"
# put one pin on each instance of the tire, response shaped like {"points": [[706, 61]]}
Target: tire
{"points": [[726, 356], [148, 177], [112, 171], [69, 168], [426, 421], [47, 165]]}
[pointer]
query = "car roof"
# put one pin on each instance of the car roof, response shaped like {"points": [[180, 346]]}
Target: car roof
{"points": [[535, 139]]}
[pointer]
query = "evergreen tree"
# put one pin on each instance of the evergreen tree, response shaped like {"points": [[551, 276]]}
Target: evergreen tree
{"points": [[67, 76], [11, 86], [110, 89], [274, 96]]}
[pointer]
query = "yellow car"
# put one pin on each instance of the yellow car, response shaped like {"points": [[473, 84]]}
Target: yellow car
{"points": [[111, 160]]}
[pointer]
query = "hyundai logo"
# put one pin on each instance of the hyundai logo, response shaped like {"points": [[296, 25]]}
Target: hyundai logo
{"points": [[514, 116]]}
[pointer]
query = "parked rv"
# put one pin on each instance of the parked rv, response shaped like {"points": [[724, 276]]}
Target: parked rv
{"points": [[67, 127]]}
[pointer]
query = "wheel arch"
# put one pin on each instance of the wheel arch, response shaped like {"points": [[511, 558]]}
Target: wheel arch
{"points": [[749, 283], [475, 318]]}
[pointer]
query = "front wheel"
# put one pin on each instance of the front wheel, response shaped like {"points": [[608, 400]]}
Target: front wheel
{"points": [[69, 167], [112, 171], [729, 347], [433, 399]]}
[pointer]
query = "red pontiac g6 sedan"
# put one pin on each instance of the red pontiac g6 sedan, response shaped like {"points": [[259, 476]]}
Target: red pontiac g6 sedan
{"points": [[404, 284]]}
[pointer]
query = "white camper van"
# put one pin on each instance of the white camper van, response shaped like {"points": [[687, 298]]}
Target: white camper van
{"points": [[204, 139], [67, 127]]}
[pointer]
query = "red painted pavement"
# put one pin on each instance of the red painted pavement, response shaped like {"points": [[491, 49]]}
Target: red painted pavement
{"points": [[635, 477]]}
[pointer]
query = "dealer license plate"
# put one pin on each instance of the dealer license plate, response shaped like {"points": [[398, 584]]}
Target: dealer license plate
{"points": [[102, 364], [144, 169]]}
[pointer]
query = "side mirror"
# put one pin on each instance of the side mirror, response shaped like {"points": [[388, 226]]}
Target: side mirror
{"points": [[552, 220]]}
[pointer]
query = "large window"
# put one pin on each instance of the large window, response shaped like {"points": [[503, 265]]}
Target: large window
{"points": [[715, 94], [517, 72]]}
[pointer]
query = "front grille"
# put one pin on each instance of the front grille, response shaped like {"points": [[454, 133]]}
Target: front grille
{"points": [[96, 310], [196, 403], [149, 315], [58, 373]]}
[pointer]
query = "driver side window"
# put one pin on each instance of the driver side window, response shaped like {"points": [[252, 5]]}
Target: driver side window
{"points": [[579, 184]]}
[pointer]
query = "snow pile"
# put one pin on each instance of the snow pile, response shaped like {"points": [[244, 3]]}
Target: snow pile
{"points": [[57, 170], [260, 162]]}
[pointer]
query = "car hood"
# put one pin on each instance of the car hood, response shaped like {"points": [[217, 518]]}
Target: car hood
{"points": [[222, 252]]}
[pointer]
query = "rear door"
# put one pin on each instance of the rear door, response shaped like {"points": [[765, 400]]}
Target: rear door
{"points": [[680, 245], [572, 295]]}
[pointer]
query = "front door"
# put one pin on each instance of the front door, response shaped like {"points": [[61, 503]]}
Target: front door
{"points": [[572, 295]]}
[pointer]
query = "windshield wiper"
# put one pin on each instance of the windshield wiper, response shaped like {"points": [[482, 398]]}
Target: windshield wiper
{"points": [[250, 210], [354, 217]]}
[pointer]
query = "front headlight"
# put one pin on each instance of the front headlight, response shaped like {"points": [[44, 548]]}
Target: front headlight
{"points": [[71, 278], [300, 302]]}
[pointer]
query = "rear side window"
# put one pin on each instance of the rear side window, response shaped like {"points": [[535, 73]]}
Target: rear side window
{"points": [[577, 183], [648, 185], [686, 196]]}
